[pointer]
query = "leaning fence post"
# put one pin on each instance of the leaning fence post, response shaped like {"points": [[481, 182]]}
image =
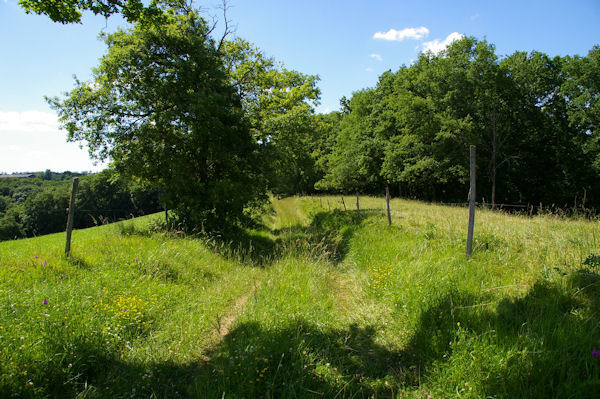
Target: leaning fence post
{"points": [[472, 196], [343, 203], [387, 203], [71, 215]]}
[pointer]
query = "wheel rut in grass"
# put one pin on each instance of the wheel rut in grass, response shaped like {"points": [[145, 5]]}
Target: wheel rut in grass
{"points": [[225, 323]]}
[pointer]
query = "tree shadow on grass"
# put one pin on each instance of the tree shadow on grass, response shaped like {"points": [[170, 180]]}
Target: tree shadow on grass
{"points": [[303, 360], [538, 345], [327, 237], [299, 359]]}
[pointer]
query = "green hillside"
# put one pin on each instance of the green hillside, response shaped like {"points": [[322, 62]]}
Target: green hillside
{"points": [[318, 303]]}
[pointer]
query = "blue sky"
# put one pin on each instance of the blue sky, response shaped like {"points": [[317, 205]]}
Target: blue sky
{"points": [[347, 43]]}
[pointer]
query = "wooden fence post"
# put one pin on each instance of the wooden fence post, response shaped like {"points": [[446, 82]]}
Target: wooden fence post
{"points": [[472, 196], [357, 206], [71, 215], [343, 202], [387, 203]]}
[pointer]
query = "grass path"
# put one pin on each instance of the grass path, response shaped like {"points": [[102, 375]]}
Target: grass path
{"points": [[226, 322], [316, 304], [287, 213]]}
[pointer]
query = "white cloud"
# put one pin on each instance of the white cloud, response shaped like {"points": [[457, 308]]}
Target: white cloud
{"points": [[38, 154], [399, 35], [32, 141], [378, 57], [28, 121], [474, 17], [369, 69], [435, 46]]}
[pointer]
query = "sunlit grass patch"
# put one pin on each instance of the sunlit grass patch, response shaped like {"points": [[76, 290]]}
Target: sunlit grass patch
{"points": [[315, 303]]}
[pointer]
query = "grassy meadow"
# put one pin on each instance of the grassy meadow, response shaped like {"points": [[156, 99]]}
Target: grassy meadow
{"points": [[315, 303]]}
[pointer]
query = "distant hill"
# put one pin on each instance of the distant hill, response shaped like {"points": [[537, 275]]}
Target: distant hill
{"points": [[33, 204], [19, 175]]}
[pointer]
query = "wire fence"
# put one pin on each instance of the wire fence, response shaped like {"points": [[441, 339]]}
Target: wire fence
{"points": [[529, 209]]}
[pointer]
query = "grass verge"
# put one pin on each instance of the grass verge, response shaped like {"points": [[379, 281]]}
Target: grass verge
{"points": [[319, 303]]}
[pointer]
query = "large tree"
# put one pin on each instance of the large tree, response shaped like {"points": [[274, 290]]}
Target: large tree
{"points": [[582, 91], [161, 107], [355, 160], [70, 11], [533, 118], [279, 105]]}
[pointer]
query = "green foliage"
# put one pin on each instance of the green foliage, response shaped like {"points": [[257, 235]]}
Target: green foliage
{"points": [[45, 212], [38, 206], [291, 166], [208, 124], [70, 11], [278, 104], [4, 203], [325, 134], [161, 107], [532, 118], [583, 109], [107, 197], [11, 226], [355, 160]]}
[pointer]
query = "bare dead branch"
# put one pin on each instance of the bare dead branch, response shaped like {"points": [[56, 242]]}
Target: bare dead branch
{"points": [[228, 30]]}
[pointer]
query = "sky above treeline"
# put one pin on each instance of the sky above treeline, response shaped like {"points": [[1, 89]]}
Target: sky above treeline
{"points": [[347, 43]]}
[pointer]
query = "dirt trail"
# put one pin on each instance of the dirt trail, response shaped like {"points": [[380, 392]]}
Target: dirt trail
{"points": [[226, 321]]}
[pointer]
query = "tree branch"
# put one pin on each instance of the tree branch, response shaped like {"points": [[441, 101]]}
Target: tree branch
{"points": [[224, 7]]}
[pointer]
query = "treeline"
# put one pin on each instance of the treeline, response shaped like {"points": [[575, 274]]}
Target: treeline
{"points": [[533, 118], [36, 206], [214, 124]]}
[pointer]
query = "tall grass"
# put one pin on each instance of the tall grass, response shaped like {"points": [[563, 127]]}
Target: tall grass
{"points": [[518, 319], [318, 303]]}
